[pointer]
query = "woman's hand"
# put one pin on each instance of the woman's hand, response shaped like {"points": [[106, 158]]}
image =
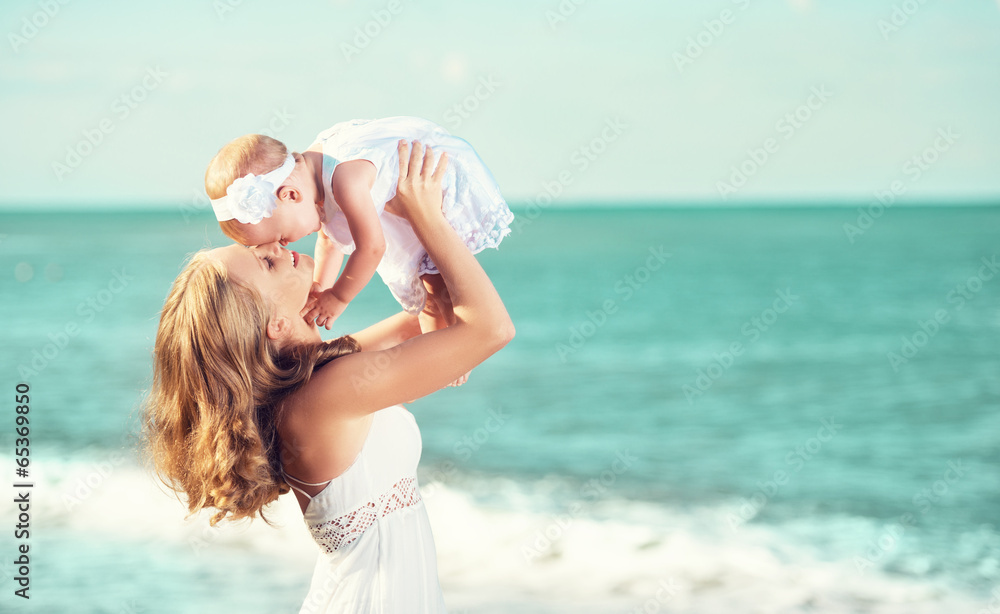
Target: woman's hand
{"points": [[365, 382], [419, 189]]}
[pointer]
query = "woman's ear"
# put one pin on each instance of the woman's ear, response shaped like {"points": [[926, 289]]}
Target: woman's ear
{"points": [[278, 327]]}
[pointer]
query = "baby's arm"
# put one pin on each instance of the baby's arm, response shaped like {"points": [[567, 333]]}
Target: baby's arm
{"points": [[351, 184], [388, 333], [329, 258]]}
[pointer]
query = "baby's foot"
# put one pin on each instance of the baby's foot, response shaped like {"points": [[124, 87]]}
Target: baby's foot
{"points": [[460, 381]]}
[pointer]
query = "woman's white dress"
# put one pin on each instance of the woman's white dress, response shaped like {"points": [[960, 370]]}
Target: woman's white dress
{"points": [[473, 204], [377, 552]]}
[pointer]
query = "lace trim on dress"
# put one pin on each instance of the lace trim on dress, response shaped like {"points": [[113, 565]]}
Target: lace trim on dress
{"points": [[335, 534], [476, 239]]}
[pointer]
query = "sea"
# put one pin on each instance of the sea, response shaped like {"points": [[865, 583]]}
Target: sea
{"points": [[762, 408]]}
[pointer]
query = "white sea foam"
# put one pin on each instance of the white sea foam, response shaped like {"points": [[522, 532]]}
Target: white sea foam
{"points": [[676, 563], [510, 555]]}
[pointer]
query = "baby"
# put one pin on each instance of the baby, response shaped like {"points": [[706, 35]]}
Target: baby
{"points": [[339, 187]]}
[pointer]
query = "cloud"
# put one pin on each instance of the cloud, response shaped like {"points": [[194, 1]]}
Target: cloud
{"points": [[802, 6]]}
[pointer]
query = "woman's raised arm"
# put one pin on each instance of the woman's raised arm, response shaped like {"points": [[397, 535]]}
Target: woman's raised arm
{"points": [[368, 381]]}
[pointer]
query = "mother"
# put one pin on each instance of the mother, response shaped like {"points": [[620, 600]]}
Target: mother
{"points": [[246, 396]]}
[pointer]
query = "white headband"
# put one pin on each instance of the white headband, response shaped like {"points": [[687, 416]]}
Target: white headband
{"points": [[253, 197]]}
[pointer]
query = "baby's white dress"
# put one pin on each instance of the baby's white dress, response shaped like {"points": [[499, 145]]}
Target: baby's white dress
{"points": [[377, 552], [473, 204]]}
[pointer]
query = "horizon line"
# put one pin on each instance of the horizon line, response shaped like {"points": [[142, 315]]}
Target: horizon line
{"points": [[525, 204]]}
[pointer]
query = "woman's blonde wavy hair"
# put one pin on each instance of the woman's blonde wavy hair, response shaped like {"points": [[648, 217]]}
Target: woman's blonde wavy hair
{"points": [[252, 153], [210, 421]]}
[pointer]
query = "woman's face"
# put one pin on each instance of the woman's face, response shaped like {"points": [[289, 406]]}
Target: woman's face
{"points": [[283, 277]]}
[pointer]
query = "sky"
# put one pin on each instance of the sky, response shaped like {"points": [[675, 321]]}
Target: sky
{"points": [[122, 104]]}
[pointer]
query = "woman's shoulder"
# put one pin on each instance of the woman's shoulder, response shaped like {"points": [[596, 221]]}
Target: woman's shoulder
{"points": [[320, 446], [313, 416]]}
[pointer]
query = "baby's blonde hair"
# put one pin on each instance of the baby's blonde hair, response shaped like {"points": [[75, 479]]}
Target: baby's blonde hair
{"points": [[252, 153]]}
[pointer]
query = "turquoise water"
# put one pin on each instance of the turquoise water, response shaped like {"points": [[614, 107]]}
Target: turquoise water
{"points": [[749, 379]]}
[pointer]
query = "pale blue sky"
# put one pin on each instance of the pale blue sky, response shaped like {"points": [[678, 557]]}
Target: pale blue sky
{"points": [[555, 87]]}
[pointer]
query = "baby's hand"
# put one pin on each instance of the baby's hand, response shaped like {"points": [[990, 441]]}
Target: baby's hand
{"points": [[314, 293], [323, 306]]}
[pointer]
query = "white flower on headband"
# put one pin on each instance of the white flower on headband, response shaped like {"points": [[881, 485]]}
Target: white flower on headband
{"points": [[251, 198], [254, 198]]}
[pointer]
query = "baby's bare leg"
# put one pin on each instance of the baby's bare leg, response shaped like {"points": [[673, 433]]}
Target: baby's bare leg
{"points": [[438, 312]]}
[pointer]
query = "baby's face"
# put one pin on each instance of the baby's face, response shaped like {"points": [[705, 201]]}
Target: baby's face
{"points": [[297, 213], [290, 222]]}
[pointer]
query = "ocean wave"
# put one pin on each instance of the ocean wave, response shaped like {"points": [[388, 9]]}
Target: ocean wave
{"points": [[515, 550]]}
